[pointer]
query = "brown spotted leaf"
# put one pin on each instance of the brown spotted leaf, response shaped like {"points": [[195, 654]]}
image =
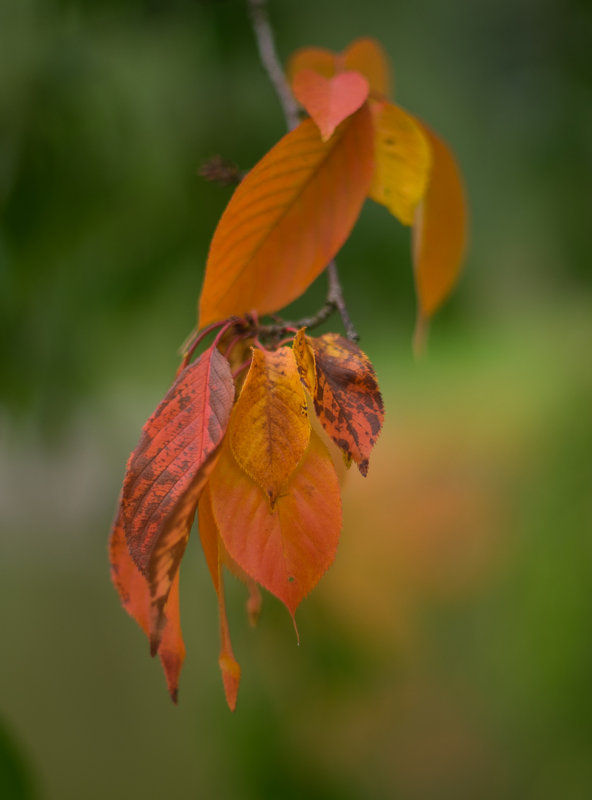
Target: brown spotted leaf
{"points": [[269, 427], [344, 390], [168, 468]]}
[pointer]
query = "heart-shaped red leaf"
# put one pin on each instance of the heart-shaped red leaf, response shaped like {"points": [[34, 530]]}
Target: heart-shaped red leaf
{"points": [[330, 100]]}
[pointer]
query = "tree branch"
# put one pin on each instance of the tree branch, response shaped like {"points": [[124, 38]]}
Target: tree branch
{"points": [[271, 64]]}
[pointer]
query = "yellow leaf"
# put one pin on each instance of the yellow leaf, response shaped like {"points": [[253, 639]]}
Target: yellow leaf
{"points": [[439, 229], [269, 428], [402, 161]]}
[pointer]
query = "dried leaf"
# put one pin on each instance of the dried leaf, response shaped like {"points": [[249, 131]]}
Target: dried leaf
{"points": [[213, 550], [169, 467], [330, 100], [345, 392], [287, 219], [403, 160], [288, 548], [134, 592], [440, 229], [269, 427], [367, 57]]}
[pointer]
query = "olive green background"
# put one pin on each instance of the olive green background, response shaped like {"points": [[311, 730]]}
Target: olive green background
{"points": [[447, 653]]}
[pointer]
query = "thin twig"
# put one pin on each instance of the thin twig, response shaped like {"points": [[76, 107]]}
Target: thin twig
{"points": [[271, 62]]}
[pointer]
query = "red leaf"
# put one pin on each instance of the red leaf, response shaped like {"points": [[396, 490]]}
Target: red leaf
{"points": [[330, 100], [287, 219], [135, 596], [342, 383], [288, 548], [169, 467]]}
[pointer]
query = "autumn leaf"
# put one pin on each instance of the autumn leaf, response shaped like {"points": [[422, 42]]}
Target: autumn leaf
{"points": [[213, 550], [287, 219], [167, 471], [342, 383], [403, 160], [364, 56], [134, 593], [367, 57], [289, 547], [269, 428], [330, 100], [440, 229]]}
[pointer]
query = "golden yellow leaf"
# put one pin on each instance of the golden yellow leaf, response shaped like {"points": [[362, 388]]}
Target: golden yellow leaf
{"points": [[403, 159], [269, 427]]}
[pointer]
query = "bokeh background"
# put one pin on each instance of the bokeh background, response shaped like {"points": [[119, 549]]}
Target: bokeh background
{"points": [[448, 652]]}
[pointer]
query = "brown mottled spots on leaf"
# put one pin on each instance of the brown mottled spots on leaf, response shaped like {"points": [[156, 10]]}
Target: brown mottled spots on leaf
{"points": [[345, 392]]}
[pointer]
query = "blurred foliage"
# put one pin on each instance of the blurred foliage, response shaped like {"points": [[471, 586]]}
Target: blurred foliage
{"points": [[447, 653]]}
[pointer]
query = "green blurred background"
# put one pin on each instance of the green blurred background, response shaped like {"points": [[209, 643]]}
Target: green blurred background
{"points": [[447, 653]]}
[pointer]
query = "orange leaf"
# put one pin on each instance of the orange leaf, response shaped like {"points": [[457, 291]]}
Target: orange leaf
{"points": [[330, 100], [403, 160], [213, 549], [288, 548], [269, 427], [167, 471], [287, 219], [367, 57], [346, 396], [135, 596], [317, 59], [439, 231]]}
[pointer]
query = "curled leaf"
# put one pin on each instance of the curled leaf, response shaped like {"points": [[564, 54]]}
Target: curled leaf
{"points": [[168, 469], [213, 550], [329, 100], [345, 392], [134, 593], [439, 230], [318, 59], [286, 548], [403, 159], [269, 428], [287, 219]]}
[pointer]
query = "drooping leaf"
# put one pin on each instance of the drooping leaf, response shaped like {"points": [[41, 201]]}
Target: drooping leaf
{"points": [[329, 100], [287, 219], [367, 57], [403, 160], [345, 392], [134, 593], [269, 427], [439, 230], [317, 59], [169, 467], [213, 550], [288, 548]]}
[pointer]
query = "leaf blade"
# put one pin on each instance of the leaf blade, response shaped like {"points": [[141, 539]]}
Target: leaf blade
{"points": [[403, 160], [439, 230], [287, 219], [134, 594], [288, 548], [345, 393], [366, 56], [269, 427], [329, 101]]}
